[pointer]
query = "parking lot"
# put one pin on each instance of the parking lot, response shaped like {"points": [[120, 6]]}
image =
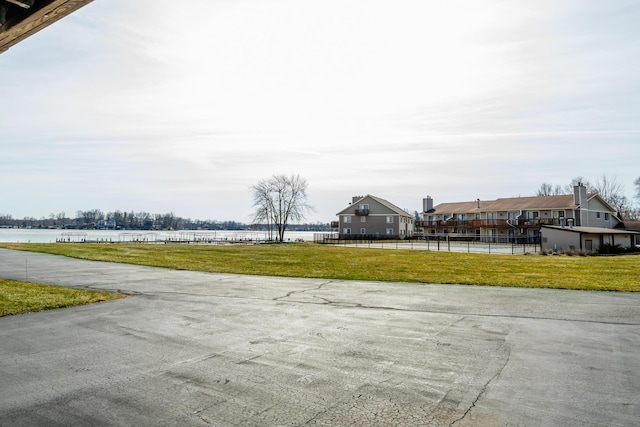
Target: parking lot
{"points": [[201, 349]]}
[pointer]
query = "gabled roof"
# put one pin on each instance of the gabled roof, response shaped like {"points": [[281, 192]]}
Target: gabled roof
{"points": [[456, 207], [528, 203], [565, 201], [383, 202]]}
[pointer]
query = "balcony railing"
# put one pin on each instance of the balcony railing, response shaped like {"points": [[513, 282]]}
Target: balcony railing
{"points": [[482, 223], [362, 212]]}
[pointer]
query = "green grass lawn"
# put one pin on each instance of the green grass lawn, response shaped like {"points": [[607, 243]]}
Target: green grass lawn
{"points": [[17, 297], [620, 273]]}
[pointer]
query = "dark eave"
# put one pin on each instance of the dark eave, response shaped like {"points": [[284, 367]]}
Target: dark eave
{"points": [[20, 19]]}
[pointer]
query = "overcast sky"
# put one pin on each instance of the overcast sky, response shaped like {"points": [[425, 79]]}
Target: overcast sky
{"points": [[165, 106]]}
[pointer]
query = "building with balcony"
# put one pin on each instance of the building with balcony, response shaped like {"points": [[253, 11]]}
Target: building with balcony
{"points": [[370, 217], [516, 216]]}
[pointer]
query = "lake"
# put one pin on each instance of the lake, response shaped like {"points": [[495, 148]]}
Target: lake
{"points": [[23, 235]]}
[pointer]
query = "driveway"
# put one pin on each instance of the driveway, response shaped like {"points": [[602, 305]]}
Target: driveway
{"points": [[200, 349]]}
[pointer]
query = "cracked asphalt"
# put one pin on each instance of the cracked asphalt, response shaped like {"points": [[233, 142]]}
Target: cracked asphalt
{"points": [[200, 349]]}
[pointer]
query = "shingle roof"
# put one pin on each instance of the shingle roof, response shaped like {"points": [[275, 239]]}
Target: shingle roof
{"points": [[509, 204], [383, 202], [632, 225]]}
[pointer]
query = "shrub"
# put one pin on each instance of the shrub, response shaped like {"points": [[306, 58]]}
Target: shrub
{"points": [[610, 249]]}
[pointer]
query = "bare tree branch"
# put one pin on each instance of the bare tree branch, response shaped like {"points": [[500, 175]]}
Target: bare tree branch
{"points": [[279, 200]]}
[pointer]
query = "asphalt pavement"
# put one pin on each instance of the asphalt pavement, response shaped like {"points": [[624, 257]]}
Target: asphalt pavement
{"points": [[200, 349]]}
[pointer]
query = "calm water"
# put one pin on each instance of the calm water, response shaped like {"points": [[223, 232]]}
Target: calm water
{"points": [[48, 236]]}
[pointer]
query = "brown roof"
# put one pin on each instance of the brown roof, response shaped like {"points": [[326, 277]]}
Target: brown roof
{"points": [[632, 225], [509, 204]]}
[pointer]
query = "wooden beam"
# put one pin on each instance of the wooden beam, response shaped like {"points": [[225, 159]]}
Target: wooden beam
{"points": [[40, 18]]}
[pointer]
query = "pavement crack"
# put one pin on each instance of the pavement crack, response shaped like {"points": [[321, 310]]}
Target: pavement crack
{"points": [[316, 288], [484, 388]]}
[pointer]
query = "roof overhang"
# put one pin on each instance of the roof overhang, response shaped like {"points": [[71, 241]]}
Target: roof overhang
{"points": [[20, 19], [588, 230]]}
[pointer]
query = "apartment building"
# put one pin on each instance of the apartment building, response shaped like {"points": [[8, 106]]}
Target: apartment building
{"points": [[516, 216], [372, 217]]}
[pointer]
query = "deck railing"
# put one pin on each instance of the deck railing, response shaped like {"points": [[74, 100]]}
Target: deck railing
{"points": [[488, 223]]}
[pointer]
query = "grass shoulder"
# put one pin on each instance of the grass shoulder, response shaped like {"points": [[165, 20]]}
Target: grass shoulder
{"points": [[620, 273], [18, 297]]}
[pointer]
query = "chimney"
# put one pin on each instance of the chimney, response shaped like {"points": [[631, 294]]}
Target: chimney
{"points": [[478, 203], [580, 199], [579, 194], [427, 204], [356, 198]]}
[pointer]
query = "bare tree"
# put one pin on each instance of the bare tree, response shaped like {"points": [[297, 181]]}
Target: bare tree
{"points": [[568, 189], [637, 184], [608, 188], [279, 200], [612, 191], [547, 189]]}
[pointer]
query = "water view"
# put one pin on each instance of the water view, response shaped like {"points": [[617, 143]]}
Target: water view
{"points": [[22, 235]]}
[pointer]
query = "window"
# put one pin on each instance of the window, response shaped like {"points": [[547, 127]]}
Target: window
{"points": [[606, 216], [389, 231], [346, 231], [363, 219], [364, 207], [492, 215], [533, 214], [347, 219], [598, 215], [363, 231], [558, 214], [389, 220]]}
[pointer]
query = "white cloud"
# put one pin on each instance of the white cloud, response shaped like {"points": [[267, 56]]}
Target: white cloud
{"points": [[184, 108]]}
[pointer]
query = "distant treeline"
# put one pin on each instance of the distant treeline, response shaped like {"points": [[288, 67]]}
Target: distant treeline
{"points": [[117, 220]]}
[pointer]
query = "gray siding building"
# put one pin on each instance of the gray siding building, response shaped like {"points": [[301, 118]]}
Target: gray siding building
{"points": [[372, 217]]}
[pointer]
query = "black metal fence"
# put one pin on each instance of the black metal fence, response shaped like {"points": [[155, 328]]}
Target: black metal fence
{"points": [[448, 243]]}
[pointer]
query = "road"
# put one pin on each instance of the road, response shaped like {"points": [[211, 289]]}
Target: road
{"points": [[200, 349]]}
